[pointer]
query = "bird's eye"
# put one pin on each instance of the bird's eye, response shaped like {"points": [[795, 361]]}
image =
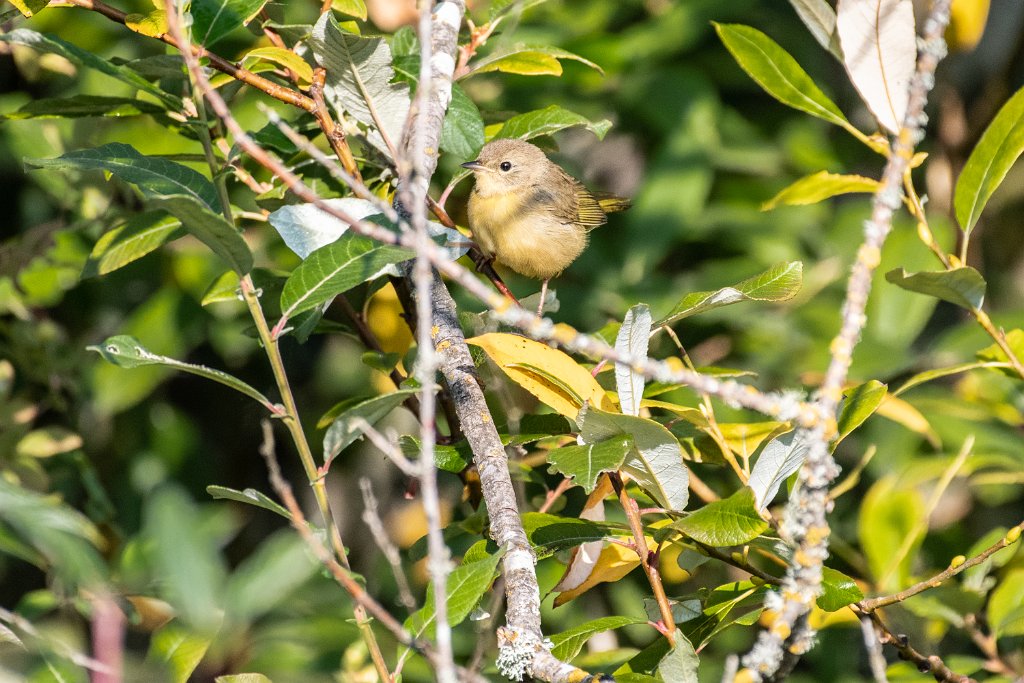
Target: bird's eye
{"points": [[506, 166]]}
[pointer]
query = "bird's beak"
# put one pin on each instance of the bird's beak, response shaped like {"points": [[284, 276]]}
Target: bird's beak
{"points": [[474, 166]]}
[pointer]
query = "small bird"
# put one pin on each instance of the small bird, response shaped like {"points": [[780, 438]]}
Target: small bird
{"points": [[529, 214]]}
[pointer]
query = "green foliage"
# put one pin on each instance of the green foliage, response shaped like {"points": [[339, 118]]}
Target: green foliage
{"points": [[731, 521]]}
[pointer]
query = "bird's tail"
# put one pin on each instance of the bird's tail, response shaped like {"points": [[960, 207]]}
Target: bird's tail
{"points": [[610, 203]]}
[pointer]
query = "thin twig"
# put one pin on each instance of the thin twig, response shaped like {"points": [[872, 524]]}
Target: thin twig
{"points": [[371, 517], [931, 664], [873, 645]]}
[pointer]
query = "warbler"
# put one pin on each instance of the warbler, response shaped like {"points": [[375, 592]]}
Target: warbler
{"points": [[529, 214]]}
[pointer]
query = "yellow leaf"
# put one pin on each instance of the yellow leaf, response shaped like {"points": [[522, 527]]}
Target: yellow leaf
{"points": [[549, 374], [820, 619], [614, 563], [153, 24], [282, 57], [966, 24], [901, 412], [384, 318], [744, 438]]}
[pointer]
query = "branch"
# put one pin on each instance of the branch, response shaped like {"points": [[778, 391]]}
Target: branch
{"points": [[805, 525]]}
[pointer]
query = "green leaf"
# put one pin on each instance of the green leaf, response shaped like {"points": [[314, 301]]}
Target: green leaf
{"points": [[888, 515], [818, 187], [780, 458], [353, 8], [154, 176], [180, 649], [586, 463], [448, 458], [529, 61], [212, 20], [243, 678], [343, 417], [138, 236], [861, 402], [568, 643], [127, 352], [466, 585], [779, 283], [730, 521], [992, 353], [30, 7], [43, 527], [990, 161], [267, 577], [81, 106], [462, 133], [249, 497], [777, 72], [282, 57], [838, 590], [75, 54], [1015, 340], [209, 228], [656, 461], [359, 80], [336, 268], [1006, 606], [962, 286], [547, 121], [681, 663], [549, 534], [632, 341], [500, 8], [185, 559]]}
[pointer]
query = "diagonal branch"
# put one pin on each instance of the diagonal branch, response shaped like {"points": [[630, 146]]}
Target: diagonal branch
{"points": [[806, 525]]}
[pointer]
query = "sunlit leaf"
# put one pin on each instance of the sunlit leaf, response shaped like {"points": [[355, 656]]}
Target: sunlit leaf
{"points": [[779, 459], [820, 19], [30, 7], [967, 19], [138, 236], [962, 286], [860, 403], [1006, 606], [730, 521], [213, 20], [242, 678], [568, 643], [529, 61], [632, 341], [997, 150], [344, 419], [777, 72], [614, 562], [282, 57], [545, 122], [778, 283], [656, 460], [995, 354], [466, 585], [336, 268], [549, 374], [180, 649], [550, 533], [127, 352], [152, 24], [818, 187], [585, 463], [359, 80], [879, 52], [838, 590], [888, 514], [902, 412], [938, 373], [353, 8], [47, 442], [208, 227]]}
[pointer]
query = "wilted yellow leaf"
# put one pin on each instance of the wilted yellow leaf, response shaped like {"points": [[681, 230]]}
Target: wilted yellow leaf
{"points": [[614, 563], [966, 24], [549, 374]]}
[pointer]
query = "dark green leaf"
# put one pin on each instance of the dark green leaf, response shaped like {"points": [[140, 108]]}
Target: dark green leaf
{"points": [[448, 458], [154, 176], [731, 521], [344, 419], [962, 286], [681, 663], [777, 72], [462, 134], [138, 236], [466, 585], [336, 268], [127, 352], [212, 20], [838, 590], [990, 161], [778, 283], [75, 54], [550, 533], [547, 121], [267, 578], [861, 402], [586, 463], [81, 106], [209, 228]]}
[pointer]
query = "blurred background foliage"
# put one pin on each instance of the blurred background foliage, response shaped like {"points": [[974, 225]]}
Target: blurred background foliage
{"points": [[697, 145]]}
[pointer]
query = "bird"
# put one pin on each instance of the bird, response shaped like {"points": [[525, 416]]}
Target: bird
{"points": [[530, 215]]}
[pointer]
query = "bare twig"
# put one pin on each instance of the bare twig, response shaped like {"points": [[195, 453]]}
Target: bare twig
{"points": [[805, 525], [931, 664], [873, 645], [371, 517]]}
